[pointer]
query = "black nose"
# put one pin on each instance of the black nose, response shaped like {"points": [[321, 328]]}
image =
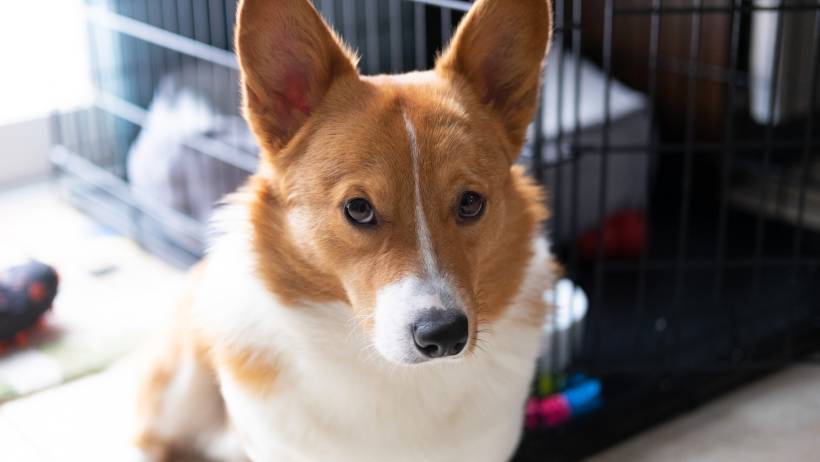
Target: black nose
{"points": [[440, 333]]}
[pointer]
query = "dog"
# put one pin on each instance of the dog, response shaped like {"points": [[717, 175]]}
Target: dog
{"points": [[375, 291]]}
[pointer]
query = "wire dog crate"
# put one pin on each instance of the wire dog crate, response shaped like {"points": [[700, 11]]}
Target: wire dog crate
{"points": [[678, 138]]}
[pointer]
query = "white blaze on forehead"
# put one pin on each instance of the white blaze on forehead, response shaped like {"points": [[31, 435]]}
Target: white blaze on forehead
{"points": [[400, 304], [422, 230]]}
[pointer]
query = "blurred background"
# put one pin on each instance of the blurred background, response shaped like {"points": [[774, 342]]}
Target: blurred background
{"points": [[679, 140]]}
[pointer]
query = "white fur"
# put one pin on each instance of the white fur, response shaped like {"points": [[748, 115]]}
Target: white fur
{"points": [[338, 400], [422, 230], [398, 307]]}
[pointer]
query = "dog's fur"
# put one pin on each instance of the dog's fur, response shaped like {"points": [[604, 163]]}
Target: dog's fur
{"points": [[292, 342]]}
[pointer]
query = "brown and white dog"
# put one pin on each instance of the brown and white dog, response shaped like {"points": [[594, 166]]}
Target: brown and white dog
{"points": [[374, 293]]}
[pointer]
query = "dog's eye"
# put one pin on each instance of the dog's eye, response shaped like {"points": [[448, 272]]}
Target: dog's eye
{"points": [[471, 206], [360, 212]]}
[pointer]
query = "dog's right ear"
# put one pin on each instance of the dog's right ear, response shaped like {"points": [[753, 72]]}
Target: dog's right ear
{"points": [[498, 50], [289, 59]]}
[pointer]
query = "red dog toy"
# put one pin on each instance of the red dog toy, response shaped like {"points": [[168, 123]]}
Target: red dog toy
{"points": [[624, 236]]}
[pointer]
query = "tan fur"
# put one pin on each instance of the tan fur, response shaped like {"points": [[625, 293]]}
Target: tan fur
{"points": [[258, 373], [173, 347]]}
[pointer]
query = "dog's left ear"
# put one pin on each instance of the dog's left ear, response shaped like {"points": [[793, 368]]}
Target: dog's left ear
{"points": [[499, 49]]}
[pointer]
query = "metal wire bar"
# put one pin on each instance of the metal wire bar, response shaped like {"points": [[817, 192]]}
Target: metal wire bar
{"points": [[575, 172], [705, 71], [230, 12], [728, 154], [420, 24], [349, 28], [705, 147], [158, 36], [604, 162], [694, 54], [396, 37], [213, 148], [629, 366], [652, 78], [446, 25], [199, 18], [807, 139], [672, 264], [537, 166], [96, 80], [217, 25], [154, 16], [145, 78], [452, 4], [328, 10], [577, 18], [727, 158], [558, 190], [760, 228], [805, 164], [713, 9], [214, 88], [372, 36], [81, 167]]}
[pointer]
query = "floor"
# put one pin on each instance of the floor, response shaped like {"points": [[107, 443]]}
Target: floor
{"points": [[777, 418]]}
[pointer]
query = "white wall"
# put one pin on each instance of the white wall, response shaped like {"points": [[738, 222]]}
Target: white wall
{"points": [[44, 68], [24, 150]]}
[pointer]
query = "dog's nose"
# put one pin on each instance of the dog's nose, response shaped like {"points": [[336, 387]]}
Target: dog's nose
{"points": [[440, 333]]}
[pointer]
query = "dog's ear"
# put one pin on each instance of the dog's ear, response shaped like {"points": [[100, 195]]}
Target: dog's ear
{"points": [[289, 59], [499, 48]]}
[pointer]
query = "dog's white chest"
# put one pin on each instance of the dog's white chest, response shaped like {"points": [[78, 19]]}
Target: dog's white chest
{"points": [[354, 411], [336, 401]]}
